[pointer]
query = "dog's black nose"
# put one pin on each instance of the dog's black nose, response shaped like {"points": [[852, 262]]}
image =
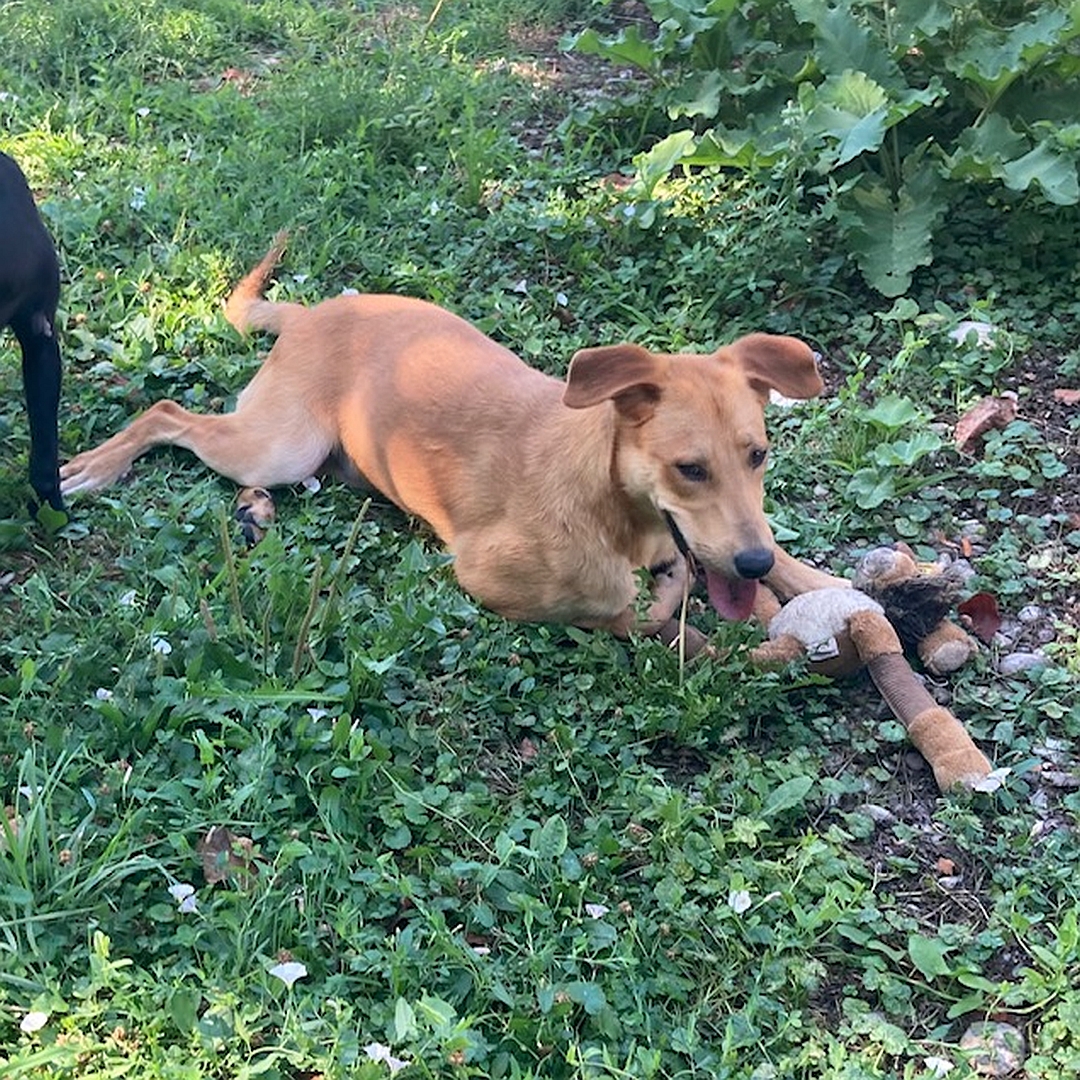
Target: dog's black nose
{"points": [[754, 562]]}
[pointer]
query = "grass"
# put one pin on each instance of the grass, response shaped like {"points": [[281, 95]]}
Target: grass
{"points": [[497, 850]]}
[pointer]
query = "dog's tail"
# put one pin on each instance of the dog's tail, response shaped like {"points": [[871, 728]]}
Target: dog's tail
{"points": [[245, 308]]}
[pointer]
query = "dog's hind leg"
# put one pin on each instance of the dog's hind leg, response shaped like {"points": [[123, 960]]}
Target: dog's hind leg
{"points": [[250, 446]]}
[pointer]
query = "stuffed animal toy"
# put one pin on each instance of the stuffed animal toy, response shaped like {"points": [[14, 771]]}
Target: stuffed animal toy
{"points": [[842, 629]]}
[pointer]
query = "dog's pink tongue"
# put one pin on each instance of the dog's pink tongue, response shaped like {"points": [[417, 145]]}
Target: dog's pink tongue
{"points": [[732, 598]]}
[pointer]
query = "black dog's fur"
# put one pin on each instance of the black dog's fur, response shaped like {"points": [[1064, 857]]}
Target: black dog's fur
{"points": [[29, 290]]}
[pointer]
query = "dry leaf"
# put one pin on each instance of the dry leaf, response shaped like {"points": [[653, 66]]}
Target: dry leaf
{"points": [[224, 854], [991, 412], [981, 613]]}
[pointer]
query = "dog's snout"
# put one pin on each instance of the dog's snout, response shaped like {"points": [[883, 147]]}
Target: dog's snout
{"points": [[754, 562]]}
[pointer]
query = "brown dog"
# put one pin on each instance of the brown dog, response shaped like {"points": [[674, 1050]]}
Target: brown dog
{"points": [[551, 496]]}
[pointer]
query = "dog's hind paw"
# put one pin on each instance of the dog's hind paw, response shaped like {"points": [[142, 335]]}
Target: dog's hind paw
{"points": [[255, 512]]}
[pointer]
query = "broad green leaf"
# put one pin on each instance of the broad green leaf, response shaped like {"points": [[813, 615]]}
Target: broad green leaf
{"points": [[1054, 172], [737, 149], [588, 995], [628, 47], [656, 164], [700, 96], [435, 1011], [915, 21], [844, 44], [903, 453], [993, 58], [404, 1024], [982, 151], [853, 113], [893, 412], [928, 955], [52, 520], [549, 841], [891, 237], [789, 794], [870, 488]]}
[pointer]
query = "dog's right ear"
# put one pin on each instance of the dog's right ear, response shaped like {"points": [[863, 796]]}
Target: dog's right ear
{"points": [[627, 374]]}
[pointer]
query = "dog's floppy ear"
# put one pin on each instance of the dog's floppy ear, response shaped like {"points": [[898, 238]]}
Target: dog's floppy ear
{"points": [[626, 374], [774, 362]]}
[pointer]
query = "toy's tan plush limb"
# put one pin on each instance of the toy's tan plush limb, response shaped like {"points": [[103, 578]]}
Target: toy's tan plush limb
{"points": [[934, 731], [946, 648]]}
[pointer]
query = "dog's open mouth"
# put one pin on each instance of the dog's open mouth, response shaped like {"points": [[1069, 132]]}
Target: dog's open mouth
{"points": [[733, 598]]}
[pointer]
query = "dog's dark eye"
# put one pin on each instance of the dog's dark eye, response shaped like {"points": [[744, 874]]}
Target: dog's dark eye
{"points": [[757, 458], [693, 471]]}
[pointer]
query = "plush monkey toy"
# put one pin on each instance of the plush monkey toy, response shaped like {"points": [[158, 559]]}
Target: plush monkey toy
{"points": [[842, 629]]}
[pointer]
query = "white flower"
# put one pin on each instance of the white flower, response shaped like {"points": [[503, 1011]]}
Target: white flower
{"points": [[300, 278], [316, 713], [128, 599], [481, 950], [184, 895], [312, 484], [596, 911], [102, 694], [138, 198], [142, 111], [938, 1066], [289, 972], [992, 780], [33, 1021], [350, 291], [378, 1052], [561, 300], [160, 645], [739, 900]]}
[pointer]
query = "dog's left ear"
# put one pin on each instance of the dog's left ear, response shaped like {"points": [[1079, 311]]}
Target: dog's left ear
{"points": [[629, 375], [774, 362]]}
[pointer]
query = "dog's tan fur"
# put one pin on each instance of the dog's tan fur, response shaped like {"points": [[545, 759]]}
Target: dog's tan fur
{"points": [[550, 495]]}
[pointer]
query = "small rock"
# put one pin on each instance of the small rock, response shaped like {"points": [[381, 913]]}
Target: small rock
{"points": [[950, 882], [1059, 778], [961, 570], [1018, 662], [995, 1049], [1030, 613], [1053, 748], [879, 815], [941, 694]]}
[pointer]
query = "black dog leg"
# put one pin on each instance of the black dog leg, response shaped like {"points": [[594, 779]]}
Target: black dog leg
{"points": [[29, 291], [41, 381]]}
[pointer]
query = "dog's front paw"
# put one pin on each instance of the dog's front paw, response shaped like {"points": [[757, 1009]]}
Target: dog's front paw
{"points": [[255, 512]]}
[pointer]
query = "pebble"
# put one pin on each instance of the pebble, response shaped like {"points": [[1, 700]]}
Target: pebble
{"points": [[879, 815], [1030, 613], [961, 570], [995, 1049], [1018, 662]]}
